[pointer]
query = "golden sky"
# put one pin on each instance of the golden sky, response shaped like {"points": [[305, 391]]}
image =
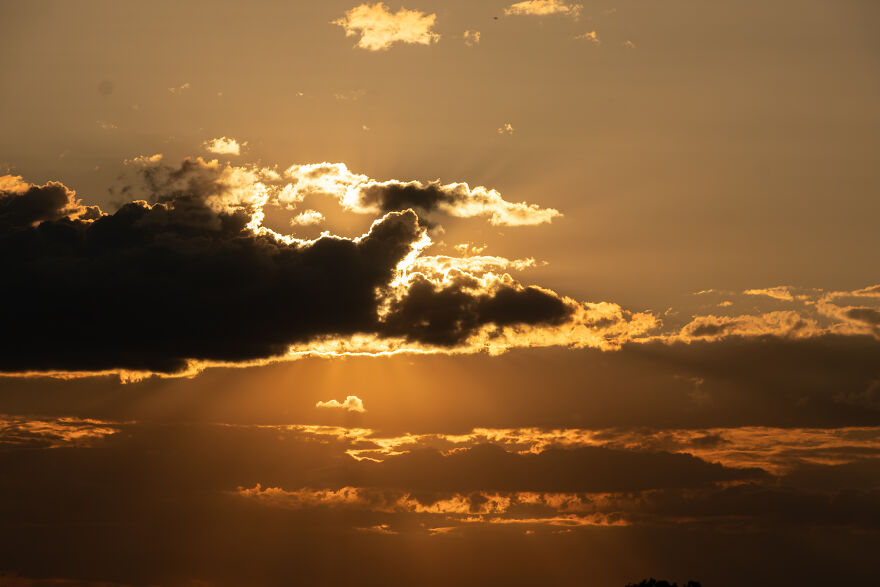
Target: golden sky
{"points": [[432, 293]]}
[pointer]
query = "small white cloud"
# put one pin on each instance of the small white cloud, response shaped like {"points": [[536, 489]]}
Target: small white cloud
{"points": [[629, 44], [350, 95], [543, 8], [224, 146], [352, 403], [471, 38], [379, 28], [365, 128], [179, 89], [307, 218], [144, 160], [506, 129], [590, 36]]}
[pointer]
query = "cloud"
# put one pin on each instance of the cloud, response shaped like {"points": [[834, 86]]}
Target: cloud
{"points": [[362, 194], [350, 95], [185, 275], [780, 292], [590, 36], [23, 205], [144, 160], [307, 218], [21, 432], [471, 38], [506, 129], [292, 501], [543, 8], [224, 146], [352, 403], [179, 89], [379, 28]]}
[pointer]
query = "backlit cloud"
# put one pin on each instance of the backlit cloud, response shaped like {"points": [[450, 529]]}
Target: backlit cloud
{"points": [[196, 231], [202, 281], [379, 28], [362, 194]]}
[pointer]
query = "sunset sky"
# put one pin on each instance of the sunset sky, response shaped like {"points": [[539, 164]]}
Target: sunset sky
{"points": [[439, 293]]}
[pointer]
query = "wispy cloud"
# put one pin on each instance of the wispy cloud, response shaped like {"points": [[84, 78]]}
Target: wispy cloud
{"points": [[543, 8], [179, 89], [352, 403], [590, 36], [506, 129]]}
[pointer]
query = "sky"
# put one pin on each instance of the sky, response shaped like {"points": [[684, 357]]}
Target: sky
{"points": [[432, 293]]}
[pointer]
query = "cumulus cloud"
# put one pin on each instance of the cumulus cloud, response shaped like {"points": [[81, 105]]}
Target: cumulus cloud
{"points": [[307, 218], [544, 8], [471, 38], [186, 275], [224, 146], [352, 403], [379, 28], [23, 205]]}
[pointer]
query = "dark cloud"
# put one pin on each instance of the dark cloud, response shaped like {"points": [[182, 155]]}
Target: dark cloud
{"points": [[157, 505], [424, 198], [821, 380], [25, 205], [449, 315], [156, 285], [584, 469], [867, 315]]}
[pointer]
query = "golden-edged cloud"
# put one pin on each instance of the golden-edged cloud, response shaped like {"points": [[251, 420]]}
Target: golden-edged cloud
{"points": [[359, 193], [240, 293], [379, 28]]}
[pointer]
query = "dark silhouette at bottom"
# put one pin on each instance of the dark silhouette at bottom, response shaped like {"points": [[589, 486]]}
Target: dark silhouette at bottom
{"points": [[655, 583]]}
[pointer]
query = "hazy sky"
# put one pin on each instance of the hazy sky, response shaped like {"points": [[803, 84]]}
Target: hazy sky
{"points": [[432, 293]]}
